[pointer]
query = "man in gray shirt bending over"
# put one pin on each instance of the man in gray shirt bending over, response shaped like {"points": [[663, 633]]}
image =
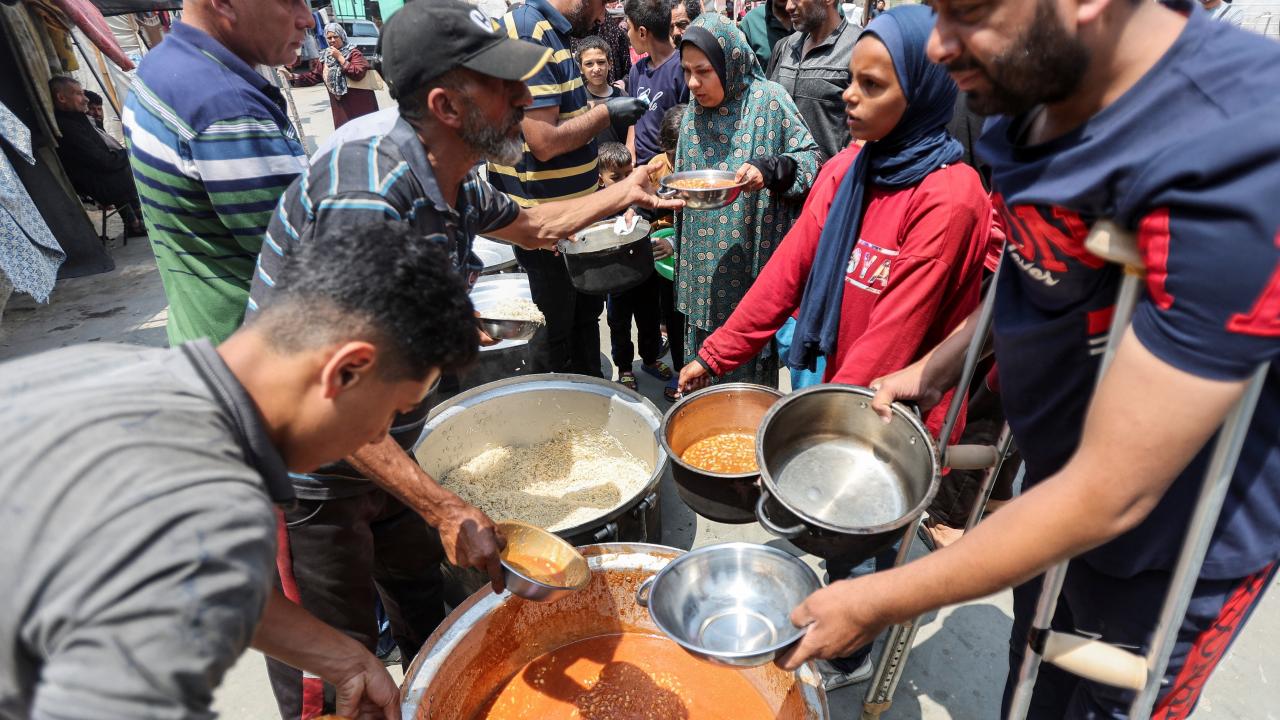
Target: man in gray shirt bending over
{"points": [[137, 485]]}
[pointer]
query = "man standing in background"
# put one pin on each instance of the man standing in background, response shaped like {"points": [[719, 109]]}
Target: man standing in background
{"points": [[560, 164], [212, 150], [764, 26], [813, 65], [683, 13]]}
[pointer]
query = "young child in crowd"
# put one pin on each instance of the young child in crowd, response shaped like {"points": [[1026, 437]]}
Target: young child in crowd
{"points": [[593, 61], [660, 167], [640, 302]]}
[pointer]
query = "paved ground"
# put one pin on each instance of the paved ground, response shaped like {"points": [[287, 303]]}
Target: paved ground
{"points": [[955, 669]]}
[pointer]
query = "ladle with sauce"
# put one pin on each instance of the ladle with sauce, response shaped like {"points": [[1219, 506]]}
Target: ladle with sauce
{"points": [[538, 565]]}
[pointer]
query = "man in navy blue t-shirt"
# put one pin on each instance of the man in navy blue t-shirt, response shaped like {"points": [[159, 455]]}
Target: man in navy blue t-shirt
{"points": [[1165, 124], [656, 79]]}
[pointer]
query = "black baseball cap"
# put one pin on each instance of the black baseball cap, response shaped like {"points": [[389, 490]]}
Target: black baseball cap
{"points": [[427, 38]]}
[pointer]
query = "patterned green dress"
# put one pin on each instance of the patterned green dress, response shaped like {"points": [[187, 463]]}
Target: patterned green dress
{"points": [[720, 252]]}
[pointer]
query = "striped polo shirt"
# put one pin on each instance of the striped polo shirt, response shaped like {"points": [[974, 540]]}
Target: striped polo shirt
{"points": [[212, 150], [382, 177], [558, 84]]}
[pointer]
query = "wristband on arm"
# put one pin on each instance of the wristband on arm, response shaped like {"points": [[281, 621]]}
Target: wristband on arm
{"points": [[779, 171]]}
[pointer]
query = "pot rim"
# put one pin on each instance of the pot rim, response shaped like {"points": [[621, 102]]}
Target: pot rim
{"points": [[705, 392], [899, 410], [707, 550]]}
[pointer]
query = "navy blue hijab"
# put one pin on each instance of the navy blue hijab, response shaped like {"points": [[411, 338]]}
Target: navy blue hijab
{"points": [[917, 146]]}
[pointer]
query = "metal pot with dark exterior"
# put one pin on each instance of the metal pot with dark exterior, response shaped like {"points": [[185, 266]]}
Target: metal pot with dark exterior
{"points": [[839, 482], [601, 261], [523, 411], [731, 407]]}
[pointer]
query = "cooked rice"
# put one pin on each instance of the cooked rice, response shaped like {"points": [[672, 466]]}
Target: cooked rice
{"points": [[514, 309], [573, 478]]}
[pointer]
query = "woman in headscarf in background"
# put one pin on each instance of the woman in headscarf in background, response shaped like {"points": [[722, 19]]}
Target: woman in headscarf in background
{"points": [[743, 123], [887, 257], [343, 70]]}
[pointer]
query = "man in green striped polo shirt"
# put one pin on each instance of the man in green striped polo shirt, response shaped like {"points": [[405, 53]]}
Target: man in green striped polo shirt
{"points": [[212, 150]]}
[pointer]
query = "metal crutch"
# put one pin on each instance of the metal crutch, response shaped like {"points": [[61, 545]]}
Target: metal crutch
{"points": [[897, 646], [1094, 659]]}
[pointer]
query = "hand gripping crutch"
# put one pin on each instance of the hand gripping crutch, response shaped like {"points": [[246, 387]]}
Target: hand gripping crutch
{"points": [[1094, 659], [897, 646]]}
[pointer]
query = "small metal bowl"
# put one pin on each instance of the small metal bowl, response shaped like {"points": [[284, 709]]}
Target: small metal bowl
{"points": [[730, 603], [539, 566], [702, 199], [508, 329]]}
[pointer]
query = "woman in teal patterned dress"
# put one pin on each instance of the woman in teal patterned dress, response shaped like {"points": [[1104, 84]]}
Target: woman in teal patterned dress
{"points": [[743, 123]]}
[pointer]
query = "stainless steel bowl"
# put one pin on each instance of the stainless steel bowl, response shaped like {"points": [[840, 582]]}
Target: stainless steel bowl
{"points": [[508, 329], [706, 199], [730, 603], [539, 566], [852, 481]]}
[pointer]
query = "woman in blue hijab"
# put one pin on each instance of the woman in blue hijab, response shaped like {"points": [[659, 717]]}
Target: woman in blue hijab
{"points": [[886, 258]]}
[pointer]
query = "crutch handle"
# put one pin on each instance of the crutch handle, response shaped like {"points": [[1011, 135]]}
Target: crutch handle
{"points": [[971, 457], [1096, 660], [1114, 244]]}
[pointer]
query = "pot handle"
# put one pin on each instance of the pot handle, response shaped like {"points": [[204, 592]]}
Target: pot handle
{"points": [[790, 533], [667, 193], [643, 592], [970, 457]]}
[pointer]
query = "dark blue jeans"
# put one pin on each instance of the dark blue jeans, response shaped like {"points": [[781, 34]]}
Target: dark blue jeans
{"points": [[843, 569]]}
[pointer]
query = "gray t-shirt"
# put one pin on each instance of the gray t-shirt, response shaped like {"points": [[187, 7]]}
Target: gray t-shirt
{"points": [[137, 527]]}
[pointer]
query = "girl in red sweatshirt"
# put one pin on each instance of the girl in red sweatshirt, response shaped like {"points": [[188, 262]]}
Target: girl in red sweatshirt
{"points": [[886, 258]]}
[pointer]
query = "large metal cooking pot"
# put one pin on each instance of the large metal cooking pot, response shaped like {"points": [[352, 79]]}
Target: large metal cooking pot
{"points": [[523, 411], [838, 481], [731, 407], [496, 255], [488, 638], [601, 261]]}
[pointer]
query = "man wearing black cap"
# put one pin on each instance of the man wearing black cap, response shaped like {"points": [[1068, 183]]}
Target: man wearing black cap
{"points": [[359, 525], [560, 164]]}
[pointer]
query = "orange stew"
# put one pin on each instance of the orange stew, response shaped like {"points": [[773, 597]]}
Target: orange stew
{"points": [[700, 184], [627, 677], [731, 452], [535, 568]]}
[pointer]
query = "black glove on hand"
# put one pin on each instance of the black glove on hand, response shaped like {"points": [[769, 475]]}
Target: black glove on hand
{"points": [[626, 110], [779, 171]]}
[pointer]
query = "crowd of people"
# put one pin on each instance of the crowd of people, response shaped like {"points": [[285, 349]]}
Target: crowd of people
{"points": [[254, 485]]}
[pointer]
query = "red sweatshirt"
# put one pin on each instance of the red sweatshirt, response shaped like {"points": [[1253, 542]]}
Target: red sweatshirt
{"points": [[914, 276]]}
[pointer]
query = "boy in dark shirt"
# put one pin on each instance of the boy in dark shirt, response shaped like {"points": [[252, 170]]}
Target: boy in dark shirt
{"points": [[657, 79], [640, 302]]}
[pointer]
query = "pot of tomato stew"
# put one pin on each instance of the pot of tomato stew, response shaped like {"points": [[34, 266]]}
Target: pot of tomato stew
{"points": [[593, 654], [710, 437]]}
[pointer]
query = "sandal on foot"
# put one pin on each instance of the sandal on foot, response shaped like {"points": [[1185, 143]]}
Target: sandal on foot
{"points": [[658, 369], [627, 380], [672, 391]]}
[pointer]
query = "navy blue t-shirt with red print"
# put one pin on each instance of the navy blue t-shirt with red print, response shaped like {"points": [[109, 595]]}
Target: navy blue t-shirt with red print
{"points": [[1189, 160]]}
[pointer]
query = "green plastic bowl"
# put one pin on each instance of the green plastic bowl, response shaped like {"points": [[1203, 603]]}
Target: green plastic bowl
{"points": [[666, 267]]}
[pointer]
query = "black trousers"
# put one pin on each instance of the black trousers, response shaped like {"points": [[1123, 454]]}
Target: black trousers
{"points": [[673, 319], [336, 557], [641, 304], [571, 340], [115, 189]]}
